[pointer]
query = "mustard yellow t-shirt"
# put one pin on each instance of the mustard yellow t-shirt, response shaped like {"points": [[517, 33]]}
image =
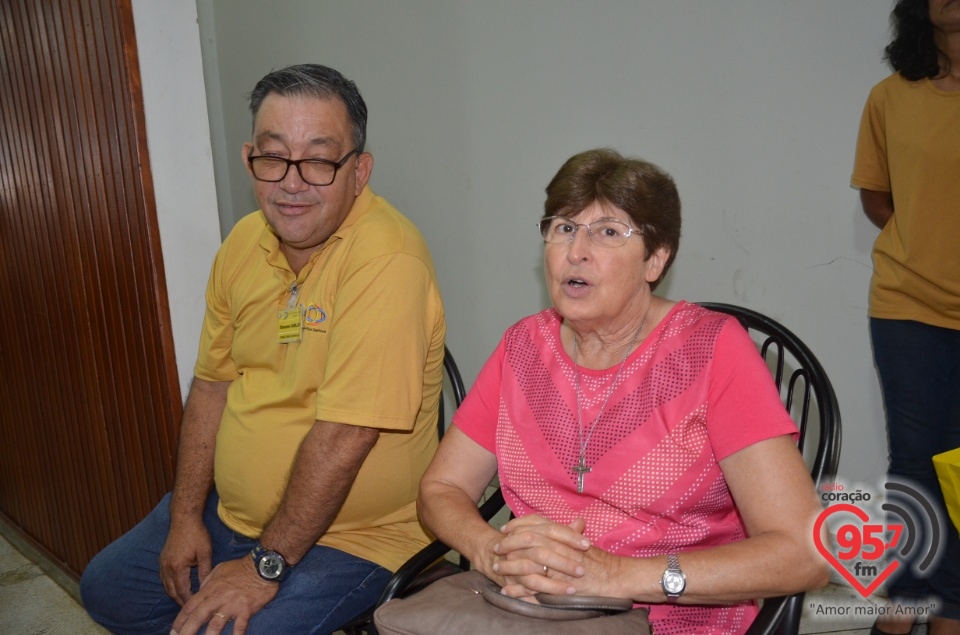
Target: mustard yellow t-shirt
{"points": [[371, 355], [909, 145]]}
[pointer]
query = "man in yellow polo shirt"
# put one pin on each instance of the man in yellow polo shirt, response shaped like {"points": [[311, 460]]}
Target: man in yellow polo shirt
{"points": [[312, 414]]}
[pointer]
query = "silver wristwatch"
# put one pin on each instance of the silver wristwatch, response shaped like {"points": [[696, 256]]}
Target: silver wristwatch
{"points": [[673, 581]]}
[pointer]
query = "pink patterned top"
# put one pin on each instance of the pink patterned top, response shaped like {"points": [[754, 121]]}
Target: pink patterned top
{"points": [[693, 393]]}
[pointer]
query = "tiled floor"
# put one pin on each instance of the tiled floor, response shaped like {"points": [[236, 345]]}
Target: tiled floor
{"points": [[31, 603]]}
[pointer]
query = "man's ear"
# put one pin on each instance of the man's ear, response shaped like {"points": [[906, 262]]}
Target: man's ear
{"points": [[363, 170], [245, 154]]}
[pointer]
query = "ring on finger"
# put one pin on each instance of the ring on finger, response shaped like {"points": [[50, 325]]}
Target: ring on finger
{"points": [[545, 570], [223, 616]]}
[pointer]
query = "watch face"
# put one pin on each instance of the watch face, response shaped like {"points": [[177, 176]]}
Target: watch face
{"points": [[673, 582], [271, 566]]}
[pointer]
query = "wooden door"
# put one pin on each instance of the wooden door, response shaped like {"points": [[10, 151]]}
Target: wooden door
{"points": [[89, 397]]}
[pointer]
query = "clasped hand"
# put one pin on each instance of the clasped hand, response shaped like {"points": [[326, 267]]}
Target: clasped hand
{"points": [[535, 555]]}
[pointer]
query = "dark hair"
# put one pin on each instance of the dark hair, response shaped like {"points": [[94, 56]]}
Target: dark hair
{"points": [[641, 189], [314, 80], [912, 53]]}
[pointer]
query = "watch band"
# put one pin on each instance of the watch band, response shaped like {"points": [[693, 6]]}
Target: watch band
{"points": [[673, 581]]}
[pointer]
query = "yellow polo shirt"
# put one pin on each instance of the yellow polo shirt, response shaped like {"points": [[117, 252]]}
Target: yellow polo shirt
{"points": [[909, 145], [371, 355]]}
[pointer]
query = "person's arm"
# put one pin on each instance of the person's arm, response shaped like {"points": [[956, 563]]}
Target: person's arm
{"points": [[327, 464], [777, 501], [447, 505], [878, 206], [449, 492], [329, 460], [188, 542]]}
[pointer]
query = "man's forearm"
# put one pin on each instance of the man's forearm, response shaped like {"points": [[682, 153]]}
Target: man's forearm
{"points": [[198, 439], [328, 462]]}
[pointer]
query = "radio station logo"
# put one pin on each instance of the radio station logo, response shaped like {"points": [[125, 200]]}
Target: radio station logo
{"points": [[872, 535]]}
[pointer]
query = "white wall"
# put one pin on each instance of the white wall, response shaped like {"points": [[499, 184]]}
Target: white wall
{"points": [[178, 140], [752, 105]]}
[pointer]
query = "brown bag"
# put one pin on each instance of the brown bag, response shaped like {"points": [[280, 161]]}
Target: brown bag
{"points": [[469, 603]]}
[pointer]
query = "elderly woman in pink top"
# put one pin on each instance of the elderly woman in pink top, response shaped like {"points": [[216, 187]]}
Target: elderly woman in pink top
{"points": [[639, 441]]}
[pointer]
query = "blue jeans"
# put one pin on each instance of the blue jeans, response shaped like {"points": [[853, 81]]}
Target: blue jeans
{"points": [[121, 586], [919, 368]]}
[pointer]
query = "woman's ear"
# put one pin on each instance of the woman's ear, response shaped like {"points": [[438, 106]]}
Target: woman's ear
{"points": [[656, 262]]}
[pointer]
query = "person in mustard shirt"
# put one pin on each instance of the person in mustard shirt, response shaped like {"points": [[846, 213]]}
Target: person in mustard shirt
{"points": [[313, 411], [908, 171]]}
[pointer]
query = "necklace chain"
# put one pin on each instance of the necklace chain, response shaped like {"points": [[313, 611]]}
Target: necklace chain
{"points": [[582, 468]]}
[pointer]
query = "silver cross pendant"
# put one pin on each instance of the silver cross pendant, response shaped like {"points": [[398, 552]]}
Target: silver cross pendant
{"points": [[581, 469]]}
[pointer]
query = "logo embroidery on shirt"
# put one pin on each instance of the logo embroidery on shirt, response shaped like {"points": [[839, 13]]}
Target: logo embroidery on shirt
{"points": [[314, 315]]}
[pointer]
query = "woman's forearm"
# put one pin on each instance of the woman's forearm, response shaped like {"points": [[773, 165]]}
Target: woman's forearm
{"points": [[453, 517], [454, 482], [764, 566]]}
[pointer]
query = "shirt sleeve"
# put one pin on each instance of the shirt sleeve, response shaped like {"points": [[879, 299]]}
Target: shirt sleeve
{"points": [[870, 163], [478, 414], [214, 360], [744, 406], [386, 313]]}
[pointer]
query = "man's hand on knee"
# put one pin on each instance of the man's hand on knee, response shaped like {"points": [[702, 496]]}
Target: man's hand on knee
{"points": [[187, 546], [232, 592]]}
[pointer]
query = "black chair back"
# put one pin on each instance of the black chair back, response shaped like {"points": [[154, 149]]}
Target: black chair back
{"points": [[456, 385], [809, 398]]}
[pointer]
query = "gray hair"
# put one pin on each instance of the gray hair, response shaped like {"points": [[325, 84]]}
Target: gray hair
{"points": [[314, 80]]}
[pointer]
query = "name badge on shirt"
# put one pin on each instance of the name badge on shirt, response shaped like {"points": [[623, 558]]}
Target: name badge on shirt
{"points": [[290, 325]]}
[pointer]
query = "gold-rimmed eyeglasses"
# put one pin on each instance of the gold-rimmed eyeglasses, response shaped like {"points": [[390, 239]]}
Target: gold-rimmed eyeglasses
{"points": [[606, 232]]}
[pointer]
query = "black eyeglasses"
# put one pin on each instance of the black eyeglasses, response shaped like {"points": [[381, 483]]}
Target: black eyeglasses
{"points": [[313, 171]]}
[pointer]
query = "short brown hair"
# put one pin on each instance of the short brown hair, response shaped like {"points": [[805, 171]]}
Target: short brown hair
{"points": [[641, 189]]}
